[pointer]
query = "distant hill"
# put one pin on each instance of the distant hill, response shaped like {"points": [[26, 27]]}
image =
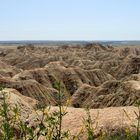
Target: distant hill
{"points": [[55, 42]]}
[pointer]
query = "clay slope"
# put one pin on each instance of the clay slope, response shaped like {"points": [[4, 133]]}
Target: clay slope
{"points": [[111, 93], [92, 75], [128, 66], [8, 70], [40, 83], [14, 98], [114, 120]]}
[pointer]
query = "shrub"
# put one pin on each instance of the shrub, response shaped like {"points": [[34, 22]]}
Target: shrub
{"points": [[49, 126]]}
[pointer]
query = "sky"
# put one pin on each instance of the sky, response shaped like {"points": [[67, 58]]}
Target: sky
{"points": [[69, 19]]}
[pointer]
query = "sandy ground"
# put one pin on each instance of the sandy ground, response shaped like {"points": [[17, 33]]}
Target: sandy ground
{"points": [[112, 119], [8, 46]]}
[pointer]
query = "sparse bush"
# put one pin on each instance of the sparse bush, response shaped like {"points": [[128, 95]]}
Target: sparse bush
{"points": [[89, 125], [49, 126]]}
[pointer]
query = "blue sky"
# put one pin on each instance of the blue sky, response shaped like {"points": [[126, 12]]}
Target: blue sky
{"points": [[69, 19]]}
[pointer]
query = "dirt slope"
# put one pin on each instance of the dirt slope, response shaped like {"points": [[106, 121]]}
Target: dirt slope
{"points": [[93, 75]]}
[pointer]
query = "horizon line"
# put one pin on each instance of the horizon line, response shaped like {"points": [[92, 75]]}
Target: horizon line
{"points": [[62, 40]]}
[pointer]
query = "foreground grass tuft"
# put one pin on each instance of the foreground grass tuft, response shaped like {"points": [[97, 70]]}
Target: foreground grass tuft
{"points": [[49, 126]]}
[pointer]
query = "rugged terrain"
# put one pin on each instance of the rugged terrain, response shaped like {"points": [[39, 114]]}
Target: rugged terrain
{"points": [[92, 75]]}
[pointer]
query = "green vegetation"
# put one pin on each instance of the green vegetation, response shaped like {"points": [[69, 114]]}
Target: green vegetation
{"points": [[49, 126]]}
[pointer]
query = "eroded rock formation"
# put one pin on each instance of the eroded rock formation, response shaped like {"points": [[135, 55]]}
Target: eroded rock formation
{"points": [[93, 75]]}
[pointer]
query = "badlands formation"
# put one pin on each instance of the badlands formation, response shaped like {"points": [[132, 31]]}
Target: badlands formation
{"points": [[103, 78]]}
